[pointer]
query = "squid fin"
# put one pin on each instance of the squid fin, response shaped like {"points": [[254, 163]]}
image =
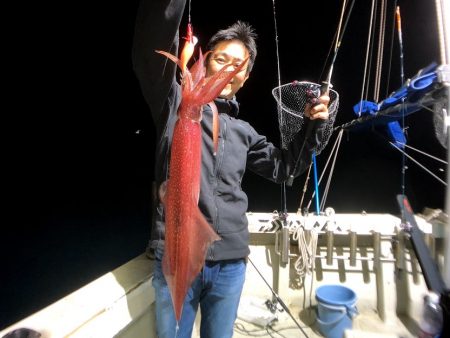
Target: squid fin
{"points": [[201, 237]]}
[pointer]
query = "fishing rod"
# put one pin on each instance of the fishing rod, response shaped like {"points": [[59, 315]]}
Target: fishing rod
{"points": [[284, 213], [279, 300], [402, 79], [326, 85]]}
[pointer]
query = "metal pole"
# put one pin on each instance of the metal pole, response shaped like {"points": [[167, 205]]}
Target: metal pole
{"points": [[443, 19]]}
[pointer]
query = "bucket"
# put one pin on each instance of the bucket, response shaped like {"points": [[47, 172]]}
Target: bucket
{"points": [[336, 308]]}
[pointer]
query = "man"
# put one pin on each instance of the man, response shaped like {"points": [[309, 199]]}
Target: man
{"points": [[218, 287]]}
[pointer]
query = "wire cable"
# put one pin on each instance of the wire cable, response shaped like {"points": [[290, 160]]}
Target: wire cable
{"points": [[419, 164]]}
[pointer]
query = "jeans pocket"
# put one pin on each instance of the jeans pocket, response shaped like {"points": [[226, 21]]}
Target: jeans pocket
{"points": [[233, 272]]}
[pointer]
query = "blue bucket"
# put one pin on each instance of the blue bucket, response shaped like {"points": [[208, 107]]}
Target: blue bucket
{"points": [[336, 308]]}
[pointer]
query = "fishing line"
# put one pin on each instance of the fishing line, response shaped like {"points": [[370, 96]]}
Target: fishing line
{"points": [[261, 332], [169, 146], [189, 11], [396, 146], [422, 152]]}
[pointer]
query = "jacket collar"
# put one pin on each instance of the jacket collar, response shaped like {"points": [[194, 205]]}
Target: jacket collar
{"points": [[230, 107]]}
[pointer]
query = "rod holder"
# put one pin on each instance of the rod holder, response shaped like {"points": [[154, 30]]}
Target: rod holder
{"points": [[400, 251], [282, 245], [285, 242], [353, 245], [376, 242], [330, 239]]}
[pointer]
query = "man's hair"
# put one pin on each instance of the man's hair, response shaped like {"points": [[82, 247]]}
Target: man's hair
{"points": [[241, 31]]}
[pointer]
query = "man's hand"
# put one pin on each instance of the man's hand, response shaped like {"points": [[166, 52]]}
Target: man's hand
{"points": [[318, 110]]}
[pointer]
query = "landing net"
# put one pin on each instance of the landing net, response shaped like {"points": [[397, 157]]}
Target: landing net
{"points": [[292, 99]]}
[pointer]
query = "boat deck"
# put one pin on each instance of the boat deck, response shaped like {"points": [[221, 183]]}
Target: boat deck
{"points": [[365, 253]]}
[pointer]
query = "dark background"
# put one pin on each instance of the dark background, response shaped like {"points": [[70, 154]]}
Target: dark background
{"points": [[78, 152]]}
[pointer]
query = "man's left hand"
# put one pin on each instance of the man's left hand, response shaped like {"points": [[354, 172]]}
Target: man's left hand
{"points": [[318, 110]]}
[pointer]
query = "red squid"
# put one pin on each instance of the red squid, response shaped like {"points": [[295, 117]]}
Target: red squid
{"points": [[188, 234]]}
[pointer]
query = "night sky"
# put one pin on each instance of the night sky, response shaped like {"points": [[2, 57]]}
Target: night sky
{"points": [[80, 141]]}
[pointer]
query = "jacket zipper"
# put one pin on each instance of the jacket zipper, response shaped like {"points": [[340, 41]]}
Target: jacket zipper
{"points": [[220, 154]]}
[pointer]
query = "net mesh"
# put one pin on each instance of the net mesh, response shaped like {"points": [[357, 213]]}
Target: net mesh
{"points": [[440, 127], [292, 99]]}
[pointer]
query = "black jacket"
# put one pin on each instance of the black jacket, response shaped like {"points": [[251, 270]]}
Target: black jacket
{"points": [[222, 200]]}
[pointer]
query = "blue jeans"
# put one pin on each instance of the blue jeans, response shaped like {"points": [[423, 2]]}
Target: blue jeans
{"points": [[217, 289]]}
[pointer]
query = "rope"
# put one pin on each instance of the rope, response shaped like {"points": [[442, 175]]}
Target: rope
{"points": [[391, 47], [380, 50], [367, 57], [370, 49], [324, 170], [327, 187], [307, 251]]}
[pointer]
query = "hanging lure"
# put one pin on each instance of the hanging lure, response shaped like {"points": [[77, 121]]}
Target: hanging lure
{"points": [[188, 48]]}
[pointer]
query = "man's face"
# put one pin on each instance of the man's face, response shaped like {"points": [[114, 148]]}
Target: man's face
{"points": [[229, 53]]}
